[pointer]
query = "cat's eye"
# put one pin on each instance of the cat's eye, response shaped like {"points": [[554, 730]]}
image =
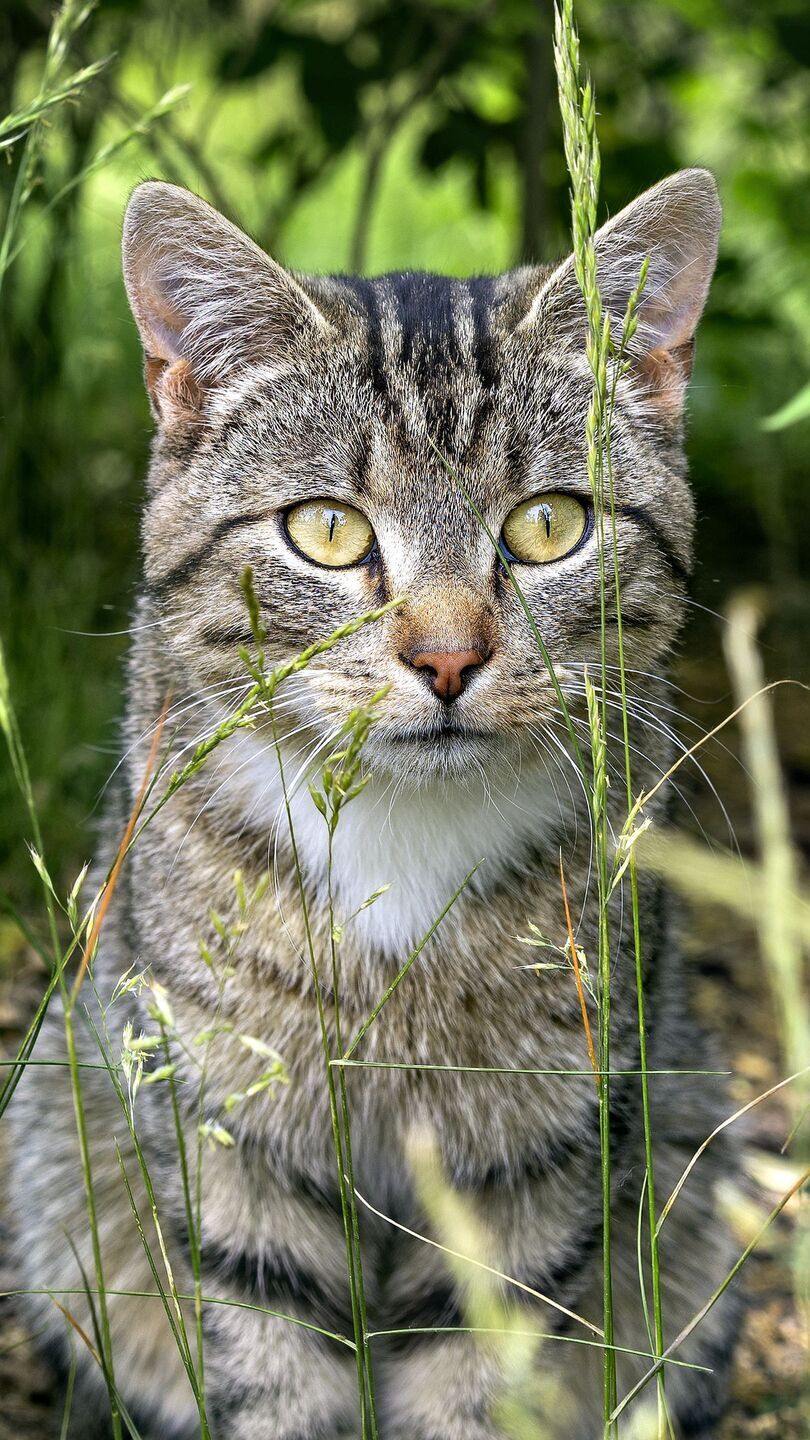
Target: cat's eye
{"points": [[545, 528], [329, 533]]}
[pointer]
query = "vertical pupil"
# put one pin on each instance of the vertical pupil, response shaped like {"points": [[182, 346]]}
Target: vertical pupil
{"points": [[332, 524], [545, 511]]}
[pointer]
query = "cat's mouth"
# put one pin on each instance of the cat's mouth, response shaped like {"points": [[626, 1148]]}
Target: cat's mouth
{"points": [[444, 733], [443, 748]]}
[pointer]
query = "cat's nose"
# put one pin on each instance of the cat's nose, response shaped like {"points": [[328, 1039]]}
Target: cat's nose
{"points": [[447, 671]]}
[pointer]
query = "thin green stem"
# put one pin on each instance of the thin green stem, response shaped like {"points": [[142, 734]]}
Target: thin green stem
{"points": [[536, 1334], [150, 1259], [207, 1300], [87, 1174], [67, 21], [192, 1231], [509, 1069], [402, 972], [334, 1113], [71, 1382], [347, 1141]]}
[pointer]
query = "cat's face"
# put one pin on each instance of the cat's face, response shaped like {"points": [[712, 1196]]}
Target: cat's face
{"points": [[347, 439]]}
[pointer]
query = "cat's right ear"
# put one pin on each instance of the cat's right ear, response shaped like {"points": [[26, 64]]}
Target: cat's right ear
{"points": [[675, 225], [207, 301]]}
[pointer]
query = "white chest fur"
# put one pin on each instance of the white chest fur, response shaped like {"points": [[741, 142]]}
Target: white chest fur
{"points": [[420, 841]]}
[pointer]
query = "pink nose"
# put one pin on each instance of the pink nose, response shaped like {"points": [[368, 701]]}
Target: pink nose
{"points": [[447, 671]]}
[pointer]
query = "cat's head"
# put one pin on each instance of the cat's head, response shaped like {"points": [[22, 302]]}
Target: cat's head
{"points": [[317, 429]]}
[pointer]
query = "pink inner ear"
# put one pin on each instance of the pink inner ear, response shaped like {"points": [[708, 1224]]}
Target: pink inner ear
{"points": [[663, 374], [161, 319], [670, 324], [174, 391]]}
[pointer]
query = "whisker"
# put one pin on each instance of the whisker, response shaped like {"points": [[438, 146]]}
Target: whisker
{"points": [[569, 759], [274, 837], [183, 705], [635, 711], [545, 755], [129, 630]]}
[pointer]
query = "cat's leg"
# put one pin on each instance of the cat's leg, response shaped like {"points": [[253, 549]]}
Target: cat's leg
{"points": [[464, 1387], [269, 1379], [52, 1240], [696, 1253], [274, 1248], [442, 1388], [472, 1386]]}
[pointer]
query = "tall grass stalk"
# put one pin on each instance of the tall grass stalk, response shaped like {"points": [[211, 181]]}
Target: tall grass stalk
{"points": [[105, 1336], [776, 912], [619, 368], [607, 363], [259, 703], [19, 765], [368, 1422], [67, 22], [342, 783], [779, 936], [578, 112]]}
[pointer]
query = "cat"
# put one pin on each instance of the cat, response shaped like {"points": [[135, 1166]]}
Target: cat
{"points": [[345, 437]]}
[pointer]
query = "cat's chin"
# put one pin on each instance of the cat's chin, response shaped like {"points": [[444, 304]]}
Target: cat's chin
{"points": [[456, 753]]}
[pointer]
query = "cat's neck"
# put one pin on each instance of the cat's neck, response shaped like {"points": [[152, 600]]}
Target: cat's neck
{"points": [[420, 841]]}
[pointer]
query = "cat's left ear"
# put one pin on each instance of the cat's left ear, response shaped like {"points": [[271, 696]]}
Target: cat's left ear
{"points": [[207, 301], [676, 224]]}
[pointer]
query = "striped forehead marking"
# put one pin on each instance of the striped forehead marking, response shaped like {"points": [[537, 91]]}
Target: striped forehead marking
{"points": [[433, 333]]}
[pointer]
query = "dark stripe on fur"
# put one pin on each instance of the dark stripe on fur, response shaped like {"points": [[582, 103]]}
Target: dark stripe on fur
{"points": [[637, 513], [187, 568], [537, 1164], [365, 293], [281, 1284], [426, 315], [436, 1307], [229, 635], [429, 347], [563, 1281], [482, 289]]}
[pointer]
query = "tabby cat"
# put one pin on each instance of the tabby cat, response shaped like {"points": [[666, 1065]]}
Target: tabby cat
{"points": [[298, 424]]}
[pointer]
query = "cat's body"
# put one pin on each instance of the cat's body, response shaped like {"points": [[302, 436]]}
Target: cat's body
{"points": [[270, 394]]}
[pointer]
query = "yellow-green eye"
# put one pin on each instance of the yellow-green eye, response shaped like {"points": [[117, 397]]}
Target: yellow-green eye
{"points": [[329, 532], [545, 528]]}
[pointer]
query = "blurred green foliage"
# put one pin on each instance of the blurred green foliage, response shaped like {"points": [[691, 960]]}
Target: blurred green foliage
{"points": [[372, 135]]}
